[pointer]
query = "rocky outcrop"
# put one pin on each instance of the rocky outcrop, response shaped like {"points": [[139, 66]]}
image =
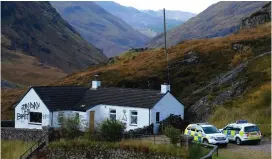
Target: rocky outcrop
{"points": [[260, 17], [7, 84], [220, 90]]}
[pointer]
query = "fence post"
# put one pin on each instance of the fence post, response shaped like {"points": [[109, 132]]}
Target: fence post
{"points": [[217, 151], [154, 138]]}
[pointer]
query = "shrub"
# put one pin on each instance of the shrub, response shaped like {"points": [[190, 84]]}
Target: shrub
{"points": [[111, 130], [172, 133], [175, 121], [70, 127]]}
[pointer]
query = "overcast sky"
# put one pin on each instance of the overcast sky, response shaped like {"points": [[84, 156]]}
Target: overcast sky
{"points": [[194, 6]]}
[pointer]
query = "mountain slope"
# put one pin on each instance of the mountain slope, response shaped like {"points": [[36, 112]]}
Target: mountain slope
{"points": [[193, 65], [217, 20], [171, 14], [96, 25], [36, 30], [147, 22]]}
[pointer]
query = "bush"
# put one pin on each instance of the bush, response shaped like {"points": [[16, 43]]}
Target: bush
{"points": [[172, 133], [111, 130], [70, 128], [175, 121]]}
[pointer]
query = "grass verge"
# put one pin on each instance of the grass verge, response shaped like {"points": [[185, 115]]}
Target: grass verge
{"points": [[12, 149]]}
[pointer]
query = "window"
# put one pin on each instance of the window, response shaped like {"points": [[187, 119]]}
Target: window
{"points": [[251, 128], [157, 117], [228, 128], [112, 114], [35, 117], [77, 117], [60, 118], [133, 117], [210, 130]]}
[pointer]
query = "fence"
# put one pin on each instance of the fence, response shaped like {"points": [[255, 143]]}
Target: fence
{"points": [[35, 147], [210, 154]]}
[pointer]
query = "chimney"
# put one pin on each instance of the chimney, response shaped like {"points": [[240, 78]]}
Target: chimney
{"points": [[96, 83], [165, 88]]}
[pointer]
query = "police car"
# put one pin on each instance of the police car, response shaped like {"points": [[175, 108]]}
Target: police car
{"points": [[206, 133], [242, 132]]}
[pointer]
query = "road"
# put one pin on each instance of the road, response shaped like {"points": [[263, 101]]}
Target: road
{"points": [[233, 151]]}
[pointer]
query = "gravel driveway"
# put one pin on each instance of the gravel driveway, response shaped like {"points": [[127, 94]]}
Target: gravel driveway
{"points": [[263, 150]]}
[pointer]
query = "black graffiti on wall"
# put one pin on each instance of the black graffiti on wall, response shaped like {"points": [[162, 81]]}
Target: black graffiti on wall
{"points": [[26, 109]]}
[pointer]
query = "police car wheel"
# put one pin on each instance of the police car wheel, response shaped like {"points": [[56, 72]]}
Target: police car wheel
{"points": [[238, 141]]}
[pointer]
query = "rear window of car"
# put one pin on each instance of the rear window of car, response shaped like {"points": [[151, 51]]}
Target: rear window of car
{"points": [[251, 128]]}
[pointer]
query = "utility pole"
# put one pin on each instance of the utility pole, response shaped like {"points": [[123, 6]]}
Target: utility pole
{"points": [[165, 47]]}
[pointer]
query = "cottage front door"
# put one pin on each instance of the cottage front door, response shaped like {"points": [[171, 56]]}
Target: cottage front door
{"points": [[91, 122]]}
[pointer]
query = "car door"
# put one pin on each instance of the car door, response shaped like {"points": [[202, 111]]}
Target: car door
{"points": [[227, 131]]}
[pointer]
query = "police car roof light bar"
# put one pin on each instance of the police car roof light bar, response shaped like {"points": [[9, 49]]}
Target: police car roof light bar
{"points": [[202, 124], [241, 121]]}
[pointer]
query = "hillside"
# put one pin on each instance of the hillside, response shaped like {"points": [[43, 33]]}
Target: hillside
{"points": [[107, 32], [212, 75], [147, 22], [35, 29], [259, 17], [217, 20], [171, 14]]}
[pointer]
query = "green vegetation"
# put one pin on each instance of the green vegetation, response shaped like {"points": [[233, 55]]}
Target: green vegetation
{"points": [[70, 127], [111, 130], [12, 149], [172, 133], [194, 151], [255, 104]]}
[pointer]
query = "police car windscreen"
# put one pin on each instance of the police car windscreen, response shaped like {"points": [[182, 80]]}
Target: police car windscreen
{"points": [[251, 128], [210, 130]]}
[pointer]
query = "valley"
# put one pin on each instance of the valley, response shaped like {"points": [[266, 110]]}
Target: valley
{"points": [[92, 79]]}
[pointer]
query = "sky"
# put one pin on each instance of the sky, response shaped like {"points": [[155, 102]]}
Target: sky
{"points": [[194, 6]]}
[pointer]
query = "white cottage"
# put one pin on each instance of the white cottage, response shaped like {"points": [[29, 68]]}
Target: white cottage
{"points": [[136, 108]]}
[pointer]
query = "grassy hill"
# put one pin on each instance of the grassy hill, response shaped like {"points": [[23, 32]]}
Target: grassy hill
{"points": [[107, 32], [217, 20], [35, 34], [204, 68]]}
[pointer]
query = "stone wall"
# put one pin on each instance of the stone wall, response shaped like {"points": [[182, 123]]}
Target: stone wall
{"points": [[98, 153], [8, 133]]}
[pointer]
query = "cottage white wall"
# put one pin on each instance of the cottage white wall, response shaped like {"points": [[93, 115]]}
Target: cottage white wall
{"points": [[166, 106], [68, 113], [102, 112], [31, 103]]}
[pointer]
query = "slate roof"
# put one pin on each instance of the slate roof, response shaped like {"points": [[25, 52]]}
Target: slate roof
{"points": [[126, 97], [60, 97]]}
